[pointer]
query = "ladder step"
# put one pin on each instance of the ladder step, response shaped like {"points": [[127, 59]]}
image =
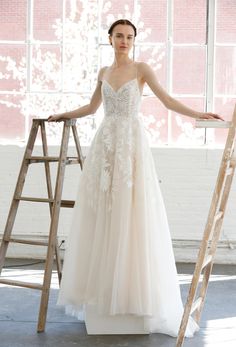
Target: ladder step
{"points": [[71, 161], [38, 159], [29, 242], [28, 198], [64, 203], [21, 284], [207, 261], [43, 159], [196, 304], [67, 203]]}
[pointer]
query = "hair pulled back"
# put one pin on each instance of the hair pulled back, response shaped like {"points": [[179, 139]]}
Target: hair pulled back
{"points": [[123, 22]]}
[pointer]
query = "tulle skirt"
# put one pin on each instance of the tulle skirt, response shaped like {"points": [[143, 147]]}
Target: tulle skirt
{"points": [[119, 252]]}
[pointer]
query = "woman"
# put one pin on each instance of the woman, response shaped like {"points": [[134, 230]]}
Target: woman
{"points": [[119, 255]]}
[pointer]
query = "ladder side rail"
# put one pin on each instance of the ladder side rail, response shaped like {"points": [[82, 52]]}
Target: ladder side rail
{"points": [[207, 271], [234, 117], [214, 241], [203, 291], [46, 164], [208, 229], [199, 263], [217, 191], [53, 228], [191, 294], [50, 192], [77, 145], [18, 191]]}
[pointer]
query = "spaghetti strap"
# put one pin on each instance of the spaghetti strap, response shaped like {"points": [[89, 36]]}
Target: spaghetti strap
{"points": [[104, 72], [136, 69]]}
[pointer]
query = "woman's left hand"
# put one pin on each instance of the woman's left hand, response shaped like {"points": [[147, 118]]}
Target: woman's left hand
{"points": [[208, 115]]}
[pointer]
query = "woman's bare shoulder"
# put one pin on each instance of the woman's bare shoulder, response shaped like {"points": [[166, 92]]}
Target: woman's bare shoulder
{"points": [[143, 69], [101, 72], [142, 66]]}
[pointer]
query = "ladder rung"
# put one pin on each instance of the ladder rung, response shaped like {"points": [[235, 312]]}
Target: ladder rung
{"points": [[42, 159], [196, 304], [38, 159], [67, 203], [207, 261], [29, 242], [21, 284], [71, 161], [27, 198], [64, 203]]}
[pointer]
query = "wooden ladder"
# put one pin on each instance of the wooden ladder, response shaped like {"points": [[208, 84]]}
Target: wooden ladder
{"points": [[212, 230], [55, 202]]}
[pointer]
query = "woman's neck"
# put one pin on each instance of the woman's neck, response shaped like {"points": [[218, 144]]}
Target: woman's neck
{"points": [[121, 60]]}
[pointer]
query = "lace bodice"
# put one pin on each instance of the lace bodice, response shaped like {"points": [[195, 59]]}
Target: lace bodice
{"points": [[124, 102], [111, 163]]}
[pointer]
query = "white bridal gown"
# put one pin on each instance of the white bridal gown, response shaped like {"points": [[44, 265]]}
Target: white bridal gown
{"points": [[119, 254]]}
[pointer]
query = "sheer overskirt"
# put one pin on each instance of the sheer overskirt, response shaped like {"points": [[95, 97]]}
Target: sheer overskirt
{"points": [[119, 253]]}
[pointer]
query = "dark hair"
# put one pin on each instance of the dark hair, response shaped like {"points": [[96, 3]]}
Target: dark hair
{"points": [[123, 22]]}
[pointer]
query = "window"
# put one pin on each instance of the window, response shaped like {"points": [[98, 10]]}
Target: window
{"points": [[50, 54]]}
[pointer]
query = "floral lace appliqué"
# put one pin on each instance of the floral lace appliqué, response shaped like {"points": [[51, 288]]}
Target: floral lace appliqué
{"points": [[110, 164]]}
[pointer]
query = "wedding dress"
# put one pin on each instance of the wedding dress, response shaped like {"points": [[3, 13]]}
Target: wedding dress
{"points": [[119, 253]]}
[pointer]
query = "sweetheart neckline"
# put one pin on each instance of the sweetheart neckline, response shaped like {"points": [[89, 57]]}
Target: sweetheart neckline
{"points": [[124, 84]]}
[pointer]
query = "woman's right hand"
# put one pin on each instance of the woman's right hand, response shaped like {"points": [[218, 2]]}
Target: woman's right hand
{"points": [[56, 118]]}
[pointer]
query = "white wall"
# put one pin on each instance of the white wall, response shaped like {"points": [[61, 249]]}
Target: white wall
{"points": [[187, 178]]}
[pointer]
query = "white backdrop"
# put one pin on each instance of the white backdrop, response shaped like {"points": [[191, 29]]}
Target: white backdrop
{"points": [[187, 178]]}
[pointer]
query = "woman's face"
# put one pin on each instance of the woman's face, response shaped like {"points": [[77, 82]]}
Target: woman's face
{"points": [[122, 38]]}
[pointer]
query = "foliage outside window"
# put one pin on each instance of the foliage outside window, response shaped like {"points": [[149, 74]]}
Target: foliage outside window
{"points": [[50, 54]]}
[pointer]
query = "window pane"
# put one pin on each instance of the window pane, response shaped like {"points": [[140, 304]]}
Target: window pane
{"points": [[183, 127], [43, 105], [190, 21], [81, 22], [46, 67], [155, 56], [189, 70], [73, 10], [13, 19], [225, 21], [12, 67], [154, 116], [47, 20], [110, 12], [153, 21], [80, 67], [106, 55], [225, 81], [12, 125]]}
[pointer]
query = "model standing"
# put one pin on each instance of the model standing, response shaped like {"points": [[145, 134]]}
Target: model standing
{"points": [[119, 254]]}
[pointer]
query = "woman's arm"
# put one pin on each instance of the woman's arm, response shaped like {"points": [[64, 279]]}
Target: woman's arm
{"points": [[85, 110], [148, 76]]}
